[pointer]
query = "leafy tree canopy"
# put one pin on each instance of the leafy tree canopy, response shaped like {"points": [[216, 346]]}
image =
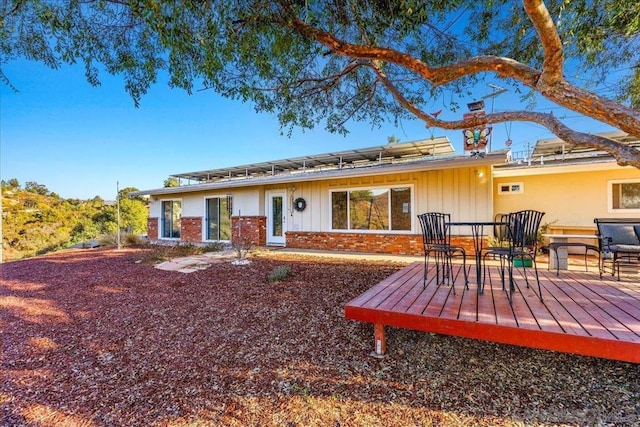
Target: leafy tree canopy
{"points": [[335, 62], [172, 181]]}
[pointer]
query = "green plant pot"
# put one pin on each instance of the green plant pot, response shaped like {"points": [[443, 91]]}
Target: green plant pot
{"points": [[526, 262]]}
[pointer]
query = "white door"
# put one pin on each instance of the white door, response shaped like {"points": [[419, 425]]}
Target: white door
{"points": [[276, 217]]}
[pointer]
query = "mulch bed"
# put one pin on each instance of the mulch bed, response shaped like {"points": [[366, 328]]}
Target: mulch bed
{"points": [[97, 338]]}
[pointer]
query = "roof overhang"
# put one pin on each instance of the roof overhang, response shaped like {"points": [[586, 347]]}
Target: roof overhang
{"points": [[429, 164], [556, 168]]}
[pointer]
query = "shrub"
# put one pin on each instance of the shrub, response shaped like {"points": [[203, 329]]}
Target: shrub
{"points": [[130, 239], [126, 239], [214, 247], [279, 273], [108, 239]]}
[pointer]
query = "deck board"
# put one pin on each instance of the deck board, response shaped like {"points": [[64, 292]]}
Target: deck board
{"points": [[580, 313]]}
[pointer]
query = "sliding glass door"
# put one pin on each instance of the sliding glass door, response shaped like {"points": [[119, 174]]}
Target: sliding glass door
{"points": [[217, 220], [171, 214]]}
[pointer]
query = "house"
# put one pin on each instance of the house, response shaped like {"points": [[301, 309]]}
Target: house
{"points": [[572, 185], [357, 200], [367, 200]]}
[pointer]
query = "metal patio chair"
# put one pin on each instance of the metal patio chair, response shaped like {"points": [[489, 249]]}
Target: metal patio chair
{"points": [[436, 239], [521, 229]]}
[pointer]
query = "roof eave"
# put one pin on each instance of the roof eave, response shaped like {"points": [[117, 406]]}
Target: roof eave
{"points": [[448, 162]]}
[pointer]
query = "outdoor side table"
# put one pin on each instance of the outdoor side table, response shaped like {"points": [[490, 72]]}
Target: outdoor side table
{"points": [[558, 250]]}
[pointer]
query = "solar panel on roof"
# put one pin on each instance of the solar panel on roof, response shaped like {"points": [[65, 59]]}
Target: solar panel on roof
{"points": [[362, 156]]}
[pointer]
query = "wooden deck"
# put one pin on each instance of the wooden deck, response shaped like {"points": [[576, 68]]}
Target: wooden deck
{"points": [[579, 314]]}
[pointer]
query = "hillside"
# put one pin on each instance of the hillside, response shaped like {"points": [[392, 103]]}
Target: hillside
{"points": [[37, 221]]}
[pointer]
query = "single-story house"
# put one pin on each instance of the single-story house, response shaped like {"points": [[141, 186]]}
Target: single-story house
{"points": [[572, 185], [367, 200]]}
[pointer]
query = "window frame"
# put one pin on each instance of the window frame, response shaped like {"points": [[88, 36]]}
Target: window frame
{"points": [[610, 184], [510, 191], [205, 217], [162, 226], [389, 189]]}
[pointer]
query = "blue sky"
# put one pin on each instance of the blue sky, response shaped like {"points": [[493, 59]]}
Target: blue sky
{"points": [[79, 140]]}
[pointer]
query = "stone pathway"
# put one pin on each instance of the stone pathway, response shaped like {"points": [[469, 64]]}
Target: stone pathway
{"points": [[197, 262]]}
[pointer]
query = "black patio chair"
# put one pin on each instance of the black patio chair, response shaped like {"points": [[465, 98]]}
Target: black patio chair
{"points": [[521, 239], [436, 240]]}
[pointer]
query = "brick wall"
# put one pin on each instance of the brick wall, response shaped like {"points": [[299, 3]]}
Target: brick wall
{"points": [[152, 228], [254, 230], [191, 229], [397, 244], [254, 233]]}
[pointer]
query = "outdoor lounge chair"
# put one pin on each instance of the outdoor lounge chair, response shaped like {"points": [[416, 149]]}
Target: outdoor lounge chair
{"points": [[436, 239], [619, 242]]}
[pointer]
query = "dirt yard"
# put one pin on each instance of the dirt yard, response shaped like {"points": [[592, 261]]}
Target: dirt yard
{"points": [[99, 338]]}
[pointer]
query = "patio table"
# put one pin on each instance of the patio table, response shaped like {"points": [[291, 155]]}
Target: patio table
{"points": [[477, 232]]}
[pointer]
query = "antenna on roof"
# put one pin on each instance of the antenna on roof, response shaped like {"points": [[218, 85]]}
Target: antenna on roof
{"points": [[496, 90]]}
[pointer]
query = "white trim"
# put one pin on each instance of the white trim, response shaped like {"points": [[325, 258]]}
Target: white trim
{"points": [[280, 241], [610, 184], [161, 222], [510, 188], [412, 212], [205, 224]]}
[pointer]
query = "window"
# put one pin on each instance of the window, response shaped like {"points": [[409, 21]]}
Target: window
{"points": [[171, 214], [511, 188], [217, 220], [371, 209], [624, 195]]}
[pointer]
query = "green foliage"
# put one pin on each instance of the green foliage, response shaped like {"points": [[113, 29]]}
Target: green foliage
{"points": [[133, 214], [36, 221], [279, 273], [34, 187], [251, 50], [172, 181]]}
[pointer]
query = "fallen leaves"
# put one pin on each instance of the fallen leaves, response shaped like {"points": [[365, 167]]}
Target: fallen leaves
{"points": [[224, 346]]}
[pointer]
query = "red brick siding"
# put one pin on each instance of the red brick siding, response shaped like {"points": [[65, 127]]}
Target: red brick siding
{"points": [[397, 244], [152, 228], [191, 229], [254, 230]]}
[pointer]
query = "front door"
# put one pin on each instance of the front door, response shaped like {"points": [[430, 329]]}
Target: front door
{"points": [[276, 217]]}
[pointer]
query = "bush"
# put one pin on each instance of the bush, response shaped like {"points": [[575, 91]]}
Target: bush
{"points": [[214, 247], [279, 273], [131, 239], [108, 239], [126, 239]]}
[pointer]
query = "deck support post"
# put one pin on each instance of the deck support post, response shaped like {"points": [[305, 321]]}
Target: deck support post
{"points": [[380, 341]]}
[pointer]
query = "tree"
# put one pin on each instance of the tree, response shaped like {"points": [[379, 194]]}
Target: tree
{"points": [[343, 60], [34, 187], [133, 214], [13, 183], [172, 181]]}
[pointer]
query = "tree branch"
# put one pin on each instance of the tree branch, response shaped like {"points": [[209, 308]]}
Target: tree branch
{"points": [[625, 155], [551, 44], [552, 86]]}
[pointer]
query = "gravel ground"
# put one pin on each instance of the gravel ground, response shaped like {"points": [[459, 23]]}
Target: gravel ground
{"points": [[99, 338]]}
